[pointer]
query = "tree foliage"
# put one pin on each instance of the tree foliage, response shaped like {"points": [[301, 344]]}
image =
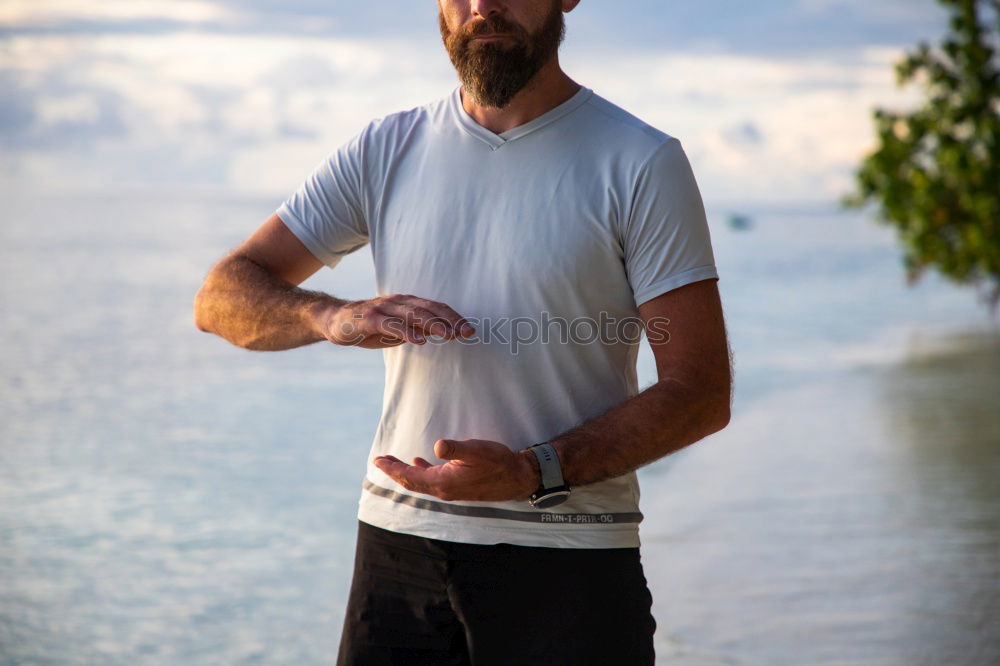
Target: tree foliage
{"points": [[935, 173]]}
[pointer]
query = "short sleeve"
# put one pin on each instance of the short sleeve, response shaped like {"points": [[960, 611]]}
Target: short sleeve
{"points": [[666, 241], [327, 212]]}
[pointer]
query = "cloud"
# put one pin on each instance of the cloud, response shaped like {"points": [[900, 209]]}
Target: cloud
{"points": [[745, 134], [891, 11], [50, 12], [55, 112], [147, 17], [195, 98], [17, 112], [770, 100], [752, 126], [777, 27]]}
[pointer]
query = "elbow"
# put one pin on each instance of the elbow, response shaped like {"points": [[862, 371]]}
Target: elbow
{"points": [[210, 299], [201, 311], [722, 416], [199, 318], [714, 418], [718, 408], [724, 403]]}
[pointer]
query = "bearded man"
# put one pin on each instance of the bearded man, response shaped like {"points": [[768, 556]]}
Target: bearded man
{"points": [[523, 230]]}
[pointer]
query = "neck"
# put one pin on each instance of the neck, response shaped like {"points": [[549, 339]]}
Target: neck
{"points": [[549, 88]]}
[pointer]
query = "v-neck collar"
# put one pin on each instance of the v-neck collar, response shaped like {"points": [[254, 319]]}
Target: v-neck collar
{"points": [[495, 141]]}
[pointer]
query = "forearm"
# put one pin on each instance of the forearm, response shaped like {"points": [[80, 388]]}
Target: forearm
{"points": [[691, 401], [664, 418], [249, 307]]}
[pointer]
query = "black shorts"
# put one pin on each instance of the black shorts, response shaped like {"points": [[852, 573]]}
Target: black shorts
{"points": [[417, 601]]}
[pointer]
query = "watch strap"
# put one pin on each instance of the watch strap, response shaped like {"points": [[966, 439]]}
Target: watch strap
{"points": [[548, 465]]}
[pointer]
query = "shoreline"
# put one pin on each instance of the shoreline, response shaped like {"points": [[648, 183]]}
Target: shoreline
{"points": [[799, 531]]}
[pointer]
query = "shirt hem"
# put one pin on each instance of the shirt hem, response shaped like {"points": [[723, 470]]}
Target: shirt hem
{"points": [[661, 287], [479, 531], [306, 237]]}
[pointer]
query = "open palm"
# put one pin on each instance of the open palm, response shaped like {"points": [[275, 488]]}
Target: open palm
{"points": [[476, 469]]}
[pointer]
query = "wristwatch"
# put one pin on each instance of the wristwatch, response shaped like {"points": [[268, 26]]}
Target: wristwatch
{"points": [[553, 490]]}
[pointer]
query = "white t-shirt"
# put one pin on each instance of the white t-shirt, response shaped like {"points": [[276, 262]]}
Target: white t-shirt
{"points": [[545, 237]]}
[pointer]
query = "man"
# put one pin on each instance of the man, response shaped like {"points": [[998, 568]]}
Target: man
{"points": [[517, 227]]}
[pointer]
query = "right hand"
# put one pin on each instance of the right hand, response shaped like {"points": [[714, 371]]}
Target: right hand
{"points": [[389, 321]]}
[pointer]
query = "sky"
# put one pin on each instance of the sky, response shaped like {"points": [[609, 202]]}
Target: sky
{"points": [[771, 100]]}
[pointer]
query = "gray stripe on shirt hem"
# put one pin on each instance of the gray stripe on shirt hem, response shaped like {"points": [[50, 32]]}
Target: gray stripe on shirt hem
{"points": [[546, 517]]}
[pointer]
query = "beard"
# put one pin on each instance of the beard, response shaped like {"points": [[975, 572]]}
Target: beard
{"points": [[494, 72]]}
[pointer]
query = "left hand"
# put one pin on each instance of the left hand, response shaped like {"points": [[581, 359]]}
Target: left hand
{"points": [[477, 469]]}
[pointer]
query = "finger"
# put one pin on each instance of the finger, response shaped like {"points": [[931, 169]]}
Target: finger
{"points": [[449, 449], [436, 311], [421, 318], [380, 342], [393, 328], [466, 329], [420, 462], [410, 477], [482, 450], [391, 465]]}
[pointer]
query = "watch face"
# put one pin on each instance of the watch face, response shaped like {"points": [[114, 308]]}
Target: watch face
{"points": [[551, 499]]}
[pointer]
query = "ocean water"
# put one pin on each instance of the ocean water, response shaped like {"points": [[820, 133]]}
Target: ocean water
{"points": [[166, 498]]}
